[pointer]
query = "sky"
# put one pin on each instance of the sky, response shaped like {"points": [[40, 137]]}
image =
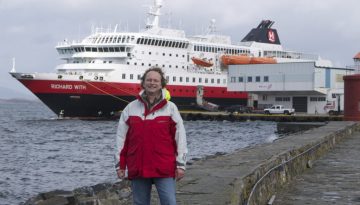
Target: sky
{"points": [[30, 29]]}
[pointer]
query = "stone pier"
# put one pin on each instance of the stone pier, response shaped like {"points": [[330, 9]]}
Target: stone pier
{"points": [[249, 176]]}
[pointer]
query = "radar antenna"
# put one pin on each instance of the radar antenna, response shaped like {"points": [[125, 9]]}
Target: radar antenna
{"points": [[153, 15]]}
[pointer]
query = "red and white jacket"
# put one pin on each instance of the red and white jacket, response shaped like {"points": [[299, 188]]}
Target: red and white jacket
{"points": [[150, 143]]}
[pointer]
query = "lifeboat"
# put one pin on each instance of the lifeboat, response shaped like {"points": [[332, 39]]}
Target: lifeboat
{"points": [[235, 59], [262, 60], [202, 62]]}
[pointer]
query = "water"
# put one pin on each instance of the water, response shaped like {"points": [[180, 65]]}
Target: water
{"points": [[40, 153]]}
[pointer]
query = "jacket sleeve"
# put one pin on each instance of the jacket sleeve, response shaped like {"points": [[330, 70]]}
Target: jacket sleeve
{"points": [[121, 145], [180, 138]]}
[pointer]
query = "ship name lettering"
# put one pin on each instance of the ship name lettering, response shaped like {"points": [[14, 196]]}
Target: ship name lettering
{"points": [[61, 86], [80, 87]]}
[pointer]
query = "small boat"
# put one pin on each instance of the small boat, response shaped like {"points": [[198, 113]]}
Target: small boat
{"points": [[262, 60], [202, 62], [235, 59]]}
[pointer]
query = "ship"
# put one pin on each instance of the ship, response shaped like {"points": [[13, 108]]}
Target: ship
{"points": [[101, 73]]}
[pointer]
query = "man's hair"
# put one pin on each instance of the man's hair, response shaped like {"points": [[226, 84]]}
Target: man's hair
{"points": [[158, 70]]}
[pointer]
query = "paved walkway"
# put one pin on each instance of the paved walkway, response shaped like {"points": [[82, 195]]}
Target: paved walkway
{"points": [[334, 178]]}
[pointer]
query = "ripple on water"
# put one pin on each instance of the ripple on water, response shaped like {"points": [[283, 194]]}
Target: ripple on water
{"points": [[39, 153]]}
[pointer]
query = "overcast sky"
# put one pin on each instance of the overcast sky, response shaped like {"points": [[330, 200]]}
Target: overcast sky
{"points": [[30, 29]]}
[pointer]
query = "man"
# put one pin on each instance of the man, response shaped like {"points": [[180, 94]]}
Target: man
{"points": [[151, 142]]}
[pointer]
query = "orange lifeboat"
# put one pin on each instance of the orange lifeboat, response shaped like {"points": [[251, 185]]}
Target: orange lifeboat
{"points": [[262, 60], [235, 59], [202, 62]]}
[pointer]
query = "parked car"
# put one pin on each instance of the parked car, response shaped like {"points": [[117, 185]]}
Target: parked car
{"points": [[238, 109], [279, 109]]}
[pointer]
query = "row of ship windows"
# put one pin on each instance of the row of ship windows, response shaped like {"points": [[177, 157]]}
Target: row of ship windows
{"points": [[143, 64], [112, 39], [249, 79], [287, 99], [220, 49], [93, 49], [182, 79], [163, 43], [157, 53]]}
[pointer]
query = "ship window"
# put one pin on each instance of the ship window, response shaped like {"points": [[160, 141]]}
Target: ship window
{"points": [[218, 81], [123, 76], [266, 78], [82, 49], [167, 43], [138, 41], [200, 80], [117, 49], [162, 43], [163, 66], [249, 79], [224, 81], [104, 61], [232, 79], [149, 64], [206, 80], [181, 79], [135, 63], [145, 41], [131, 76], [106, 49], [257, 78], [187, 79], [149, 53], [110, 61], [169, 66], [111, 49], [241, 79], [163, 54], [122, 49], [176, 66], [94, 49], [170, 54], [153, 42], [177, 55], [212, 80], [174, 79], [194, 80], [167, 79], [142, 64], [141, 41]]}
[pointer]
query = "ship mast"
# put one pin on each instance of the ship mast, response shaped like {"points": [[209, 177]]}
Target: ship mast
{"points": [[153, 15]]}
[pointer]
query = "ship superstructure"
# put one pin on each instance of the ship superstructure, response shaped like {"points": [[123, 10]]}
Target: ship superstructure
{"points": [[101, 74]]}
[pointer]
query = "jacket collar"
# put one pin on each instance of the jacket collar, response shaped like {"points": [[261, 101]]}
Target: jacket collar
{"points": [[157, 106]]}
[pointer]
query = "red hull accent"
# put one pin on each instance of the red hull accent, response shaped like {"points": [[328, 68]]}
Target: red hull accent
{"points": [[120, 89]]}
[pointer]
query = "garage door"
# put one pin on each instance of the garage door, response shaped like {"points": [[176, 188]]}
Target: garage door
{"points": [[300, 104]]}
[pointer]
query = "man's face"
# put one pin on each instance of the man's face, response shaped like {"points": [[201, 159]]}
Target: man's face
{"points": [[152, 82]]}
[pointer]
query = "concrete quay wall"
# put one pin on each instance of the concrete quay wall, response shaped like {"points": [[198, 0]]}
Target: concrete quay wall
{"points": [[226, 179], [230, 179]]}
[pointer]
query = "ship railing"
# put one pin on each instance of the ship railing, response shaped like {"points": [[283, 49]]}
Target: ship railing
{"points": [[291, 55]]}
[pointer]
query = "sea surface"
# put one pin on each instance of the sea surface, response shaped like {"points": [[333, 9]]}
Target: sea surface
{"points": [[40, 153]]}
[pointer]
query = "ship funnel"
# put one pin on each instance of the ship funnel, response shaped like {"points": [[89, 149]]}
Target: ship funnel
{"points": [[263, 33]]}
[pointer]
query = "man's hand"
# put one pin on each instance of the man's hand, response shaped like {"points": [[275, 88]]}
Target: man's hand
{"points": [[179, 174], [120, 173]]}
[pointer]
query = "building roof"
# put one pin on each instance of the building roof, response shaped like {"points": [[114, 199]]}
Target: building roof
{"points": [[357, 56]]}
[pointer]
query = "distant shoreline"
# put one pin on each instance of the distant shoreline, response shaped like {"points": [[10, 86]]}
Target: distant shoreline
{"points": [[18, 100]]}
